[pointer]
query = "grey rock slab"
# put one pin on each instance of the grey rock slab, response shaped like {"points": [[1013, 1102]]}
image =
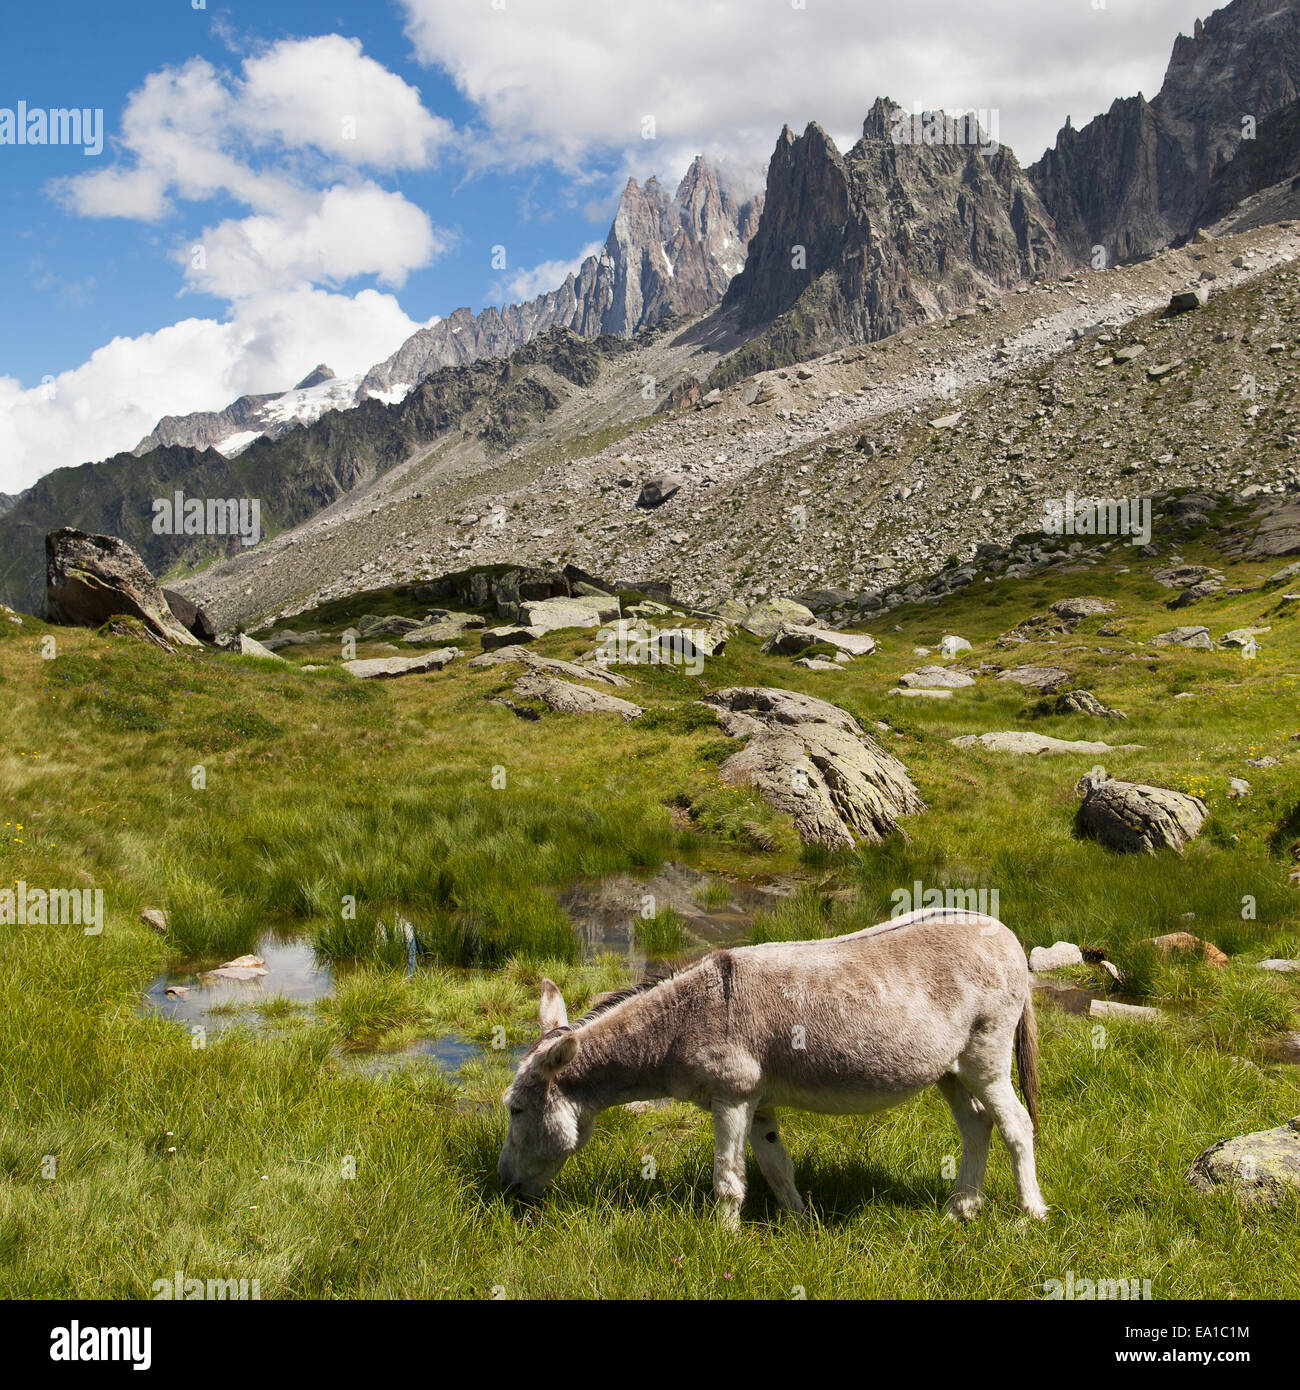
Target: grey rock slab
{"points": [[936, 678], [1044, 679], [566, 698], [390, 667], [1037, 745], [1196, 637], [792, 638]]}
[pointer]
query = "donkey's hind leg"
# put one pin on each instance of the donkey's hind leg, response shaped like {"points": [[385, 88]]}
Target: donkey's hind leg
{"points": [[774, 1160], [999, 1098], [975, 1125]]}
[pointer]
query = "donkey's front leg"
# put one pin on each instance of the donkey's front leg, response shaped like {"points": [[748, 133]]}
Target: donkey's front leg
{"points": [[731, 1121]]}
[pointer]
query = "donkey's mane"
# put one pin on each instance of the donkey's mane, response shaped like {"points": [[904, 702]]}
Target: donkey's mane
{"points": [[650, 981], [610, 1001]]}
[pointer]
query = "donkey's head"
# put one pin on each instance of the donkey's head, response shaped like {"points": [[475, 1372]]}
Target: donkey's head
{"points": [[547, 1126]]}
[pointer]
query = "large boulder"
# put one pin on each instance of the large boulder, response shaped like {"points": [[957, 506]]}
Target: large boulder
{"points": [[656, 491], [551, 614], [791, 638], [1262, 1168], [1137, 819], [90, 579], [766, 619], [566, 698], [190, 616], [814, 762]]}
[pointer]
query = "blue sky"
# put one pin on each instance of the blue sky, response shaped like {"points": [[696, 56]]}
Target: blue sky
{"points": [[476, 123], [73, 284]]}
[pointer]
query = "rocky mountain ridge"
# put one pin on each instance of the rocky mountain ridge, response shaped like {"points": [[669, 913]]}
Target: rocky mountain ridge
{"points": [[232, 430], [853, 247], [1134, 179], [868, 465], [663, 256]]}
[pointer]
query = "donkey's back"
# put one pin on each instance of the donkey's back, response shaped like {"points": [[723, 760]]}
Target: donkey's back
{"points": [[862, 1021]]}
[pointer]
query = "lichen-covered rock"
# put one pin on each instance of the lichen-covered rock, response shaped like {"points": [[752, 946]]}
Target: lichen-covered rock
{"points": [[814, 762], [565, 698], [91, 579], [1138, 819], [1260, 1168]]}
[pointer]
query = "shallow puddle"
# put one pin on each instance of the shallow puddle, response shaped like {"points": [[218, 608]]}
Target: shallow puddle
{"points": [[605, 913], [291, 960]]}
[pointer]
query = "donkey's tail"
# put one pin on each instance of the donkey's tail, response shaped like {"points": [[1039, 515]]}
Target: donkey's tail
{"points": [[1027, 1059]]}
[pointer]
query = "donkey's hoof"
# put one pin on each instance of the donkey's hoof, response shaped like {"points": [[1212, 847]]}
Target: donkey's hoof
{"points": [[965, 1207], [1037, 1212], [729, 1215]]}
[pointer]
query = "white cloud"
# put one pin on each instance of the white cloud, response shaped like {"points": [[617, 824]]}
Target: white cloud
{"points": [[109, 403], [568, 79], [288, 138], [519, 286], [339, 234], [325, 93]]}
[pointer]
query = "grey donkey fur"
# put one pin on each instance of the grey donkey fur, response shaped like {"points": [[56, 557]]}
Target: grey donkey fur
{"points": [[849, 1025]]}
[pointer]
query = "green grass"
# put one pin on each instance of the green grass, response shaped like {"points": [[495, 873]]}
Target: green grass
{"points": [[420, 802]]}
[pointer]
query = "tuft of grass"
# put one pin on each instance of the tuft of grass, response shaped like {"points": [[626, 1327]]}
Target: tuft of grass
{"points": [[664, 934]]}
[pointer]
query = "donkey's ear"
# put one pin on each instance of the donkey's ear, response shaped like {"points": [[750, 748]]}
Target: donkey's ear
{"points": [[553, 1014], [560, 1053]]}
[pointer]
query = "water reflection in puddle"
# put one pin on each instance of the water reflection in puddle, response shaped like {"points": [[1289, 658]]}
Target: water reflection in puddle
{"points": [[605, 914]]}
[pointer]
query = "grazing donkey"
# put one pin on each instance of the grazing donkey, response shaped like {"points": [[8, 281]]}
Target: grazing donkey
{"points": [[845, 1026]]}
